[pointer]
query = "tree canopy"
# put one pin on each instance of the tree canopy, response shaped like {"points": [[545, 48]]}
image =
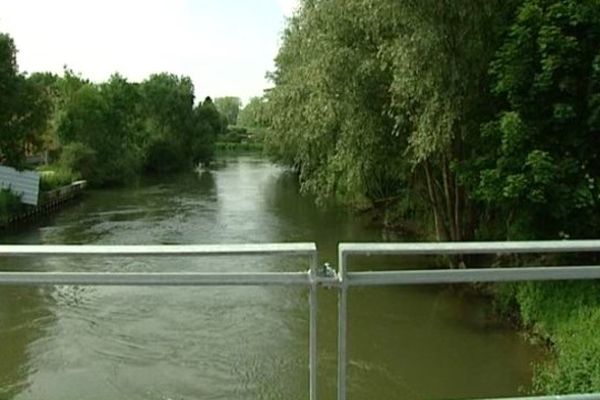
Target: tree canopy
{"points": [[107, 132], [230, 107], [477, 117], [24, 108]]}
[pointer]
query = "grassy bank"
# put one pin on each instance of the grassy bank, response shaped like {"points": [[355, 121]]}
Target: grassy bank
{"points": [[565, 316]]}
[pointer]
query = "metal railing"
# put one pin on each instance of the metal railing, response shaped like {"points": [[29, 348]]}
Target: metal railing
{"points": [[348, 279], [314, 277], [306, 278]]}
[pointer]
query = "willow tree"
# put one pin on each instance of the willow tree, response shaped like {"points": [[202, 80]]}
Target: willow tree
{"points": [[440, 91], [380, 100], [329, 105]]}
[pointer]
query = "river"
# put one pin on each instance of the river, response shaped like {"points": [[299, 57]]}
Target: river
{"points": [[63, 343]]}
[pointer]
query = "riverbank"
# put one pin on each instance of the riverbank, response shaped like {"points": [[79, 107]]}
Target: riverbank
{"points": [[563, 317]]}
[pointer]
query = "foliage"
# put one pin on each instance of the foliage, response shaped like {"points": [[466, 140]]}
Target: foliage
{"points": [[541, 164], [78, 157], [328, 110], [229, 107], [107, 133], [568, 314], [55, 178], [24, 108], [208, 124], [254, 115], [103, 118], [167, 103], [114, 131]]}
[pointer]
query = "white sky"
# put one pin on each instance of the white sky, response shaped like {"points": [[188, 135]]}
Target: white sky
{"points": [[225, 46]]}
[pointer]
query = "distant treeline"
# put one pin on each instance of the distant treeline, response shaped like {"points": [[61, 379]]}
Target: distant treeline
{"points": [[107, 133], [478, 118]]}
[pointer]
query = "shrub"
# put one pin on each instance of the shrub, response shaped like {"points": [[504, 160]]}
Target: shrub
{"points": [[78, 158], [53, 179]]}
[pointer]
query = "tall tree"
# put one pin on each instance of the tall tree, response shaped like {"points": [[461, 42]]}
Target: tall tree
{"points": [[24, 108], [541, 167], [167, 107]]}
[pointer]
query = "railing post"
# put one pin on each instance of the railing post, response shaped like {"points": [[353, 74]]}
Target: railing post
{"points": [[312, 338], [342, 324]]}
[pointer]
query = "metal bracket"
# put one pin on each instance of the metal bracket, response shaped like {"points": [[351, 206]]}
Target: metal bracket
{"points": [[327, 276]]}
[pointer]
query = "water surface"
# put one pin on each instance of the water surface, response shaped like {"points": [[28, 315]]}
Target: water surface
{"points": [[61, 343]]}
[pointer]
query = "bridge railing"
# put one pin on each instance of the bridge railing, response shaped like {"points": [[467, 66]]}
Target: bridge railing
{"points": [[304, 278], [347, 279], [315, 276]]}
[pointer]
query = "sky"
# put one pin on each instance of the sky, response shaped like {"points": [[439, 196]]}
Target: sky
{"points": [[225, 46]]}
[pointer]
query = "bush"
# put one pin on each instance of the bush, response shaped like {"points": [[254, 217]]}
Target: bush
{"points": [[78, 158], [567, 314], [164, 156], [575, 367], [55, 178]]}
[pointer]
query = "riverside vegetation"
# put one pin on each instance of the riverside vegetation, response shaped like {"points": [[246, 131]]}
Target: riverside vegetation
{"points": [[106, 133]]}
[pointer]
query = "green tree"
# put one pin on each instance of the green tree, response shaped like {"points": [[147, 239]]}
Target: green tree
{"points": [[254, 115], [105, 119], [208, 123], [540, 169], [24, 108], [229, 107], [167, 107]]}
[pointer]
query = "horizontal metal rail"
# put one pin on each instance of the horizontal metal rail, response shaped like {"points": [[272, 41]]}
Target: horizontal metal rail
{"points": [[156, 279], [450, 248], [308, 278], [348, 279], [312, 278], [160, 250], [382, 278], [591, 396]]}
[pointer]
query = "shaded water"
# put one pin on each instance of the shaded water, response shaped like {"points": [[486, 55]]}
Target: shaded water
{"points": [[235, 343]]}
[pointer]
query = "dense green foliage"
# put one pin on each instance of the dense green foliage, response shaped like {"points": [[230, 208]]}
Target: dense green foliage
{"points": [[24, 108], [55, 178], [479, 118], [106, 133], [540, 165], [254, 117], [229, 107]]}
